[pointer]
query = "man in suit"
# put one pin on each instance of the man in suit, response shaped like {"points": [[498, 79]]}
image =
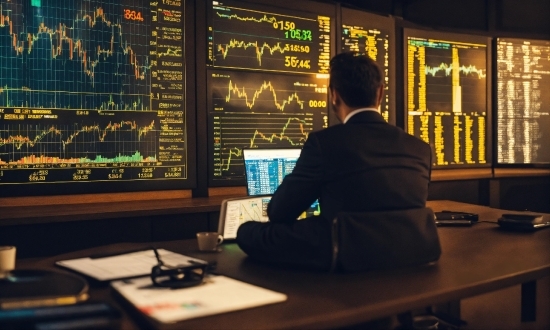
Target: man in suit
{"points": [[363, 164]]}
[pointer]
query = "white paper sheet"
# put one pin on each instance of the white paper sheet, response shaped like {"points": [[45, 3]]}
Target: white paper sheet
{"points": [[218, 294], [125, 265]]}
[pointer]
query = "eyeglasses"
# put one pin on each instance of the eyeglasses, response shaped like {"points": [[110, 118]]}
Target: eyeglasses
{"points": [[177, 276]]}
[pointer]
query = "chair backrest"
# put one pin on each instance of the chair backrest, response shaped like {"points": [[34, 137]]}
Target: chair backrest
{"points": [[384, 240]]}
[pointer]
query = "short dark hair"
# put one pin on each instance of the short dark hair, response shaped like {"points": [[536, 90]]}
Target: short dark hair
{"points": [[356, 77]]}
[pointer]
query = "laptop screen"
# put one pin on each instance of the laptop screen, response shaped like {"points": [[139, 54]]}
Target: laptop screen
{"points": [[266, 168]]}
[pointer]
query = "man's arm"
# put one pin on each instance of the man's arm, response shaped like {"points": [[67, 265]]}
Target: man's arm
{"points": [[300, 188]]}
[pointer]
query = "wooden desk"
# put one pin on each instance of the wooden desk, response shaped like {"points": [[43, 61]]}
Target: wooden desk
{"points": [[475, 260]]}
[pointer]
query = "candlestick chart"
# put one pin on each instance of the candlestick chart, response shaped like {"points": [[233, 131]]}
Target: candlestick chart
{"points": [[446, 97], [250, 110], [94, 83]]}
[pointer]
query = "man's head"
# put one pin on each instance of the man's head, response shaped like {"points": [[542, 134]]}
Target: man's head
{"points": [[356, 82]]}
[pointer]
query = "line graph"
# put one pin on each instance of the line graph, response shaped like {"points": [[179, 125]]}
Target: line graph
{"points": [[447, 98], [91, 91], [448, 68], [251, 211], [247, 111], [73, 58], [256, 131], [262, 19], [235, 44], [247, 38], [236, 93], [18, 141], [98, 142]]}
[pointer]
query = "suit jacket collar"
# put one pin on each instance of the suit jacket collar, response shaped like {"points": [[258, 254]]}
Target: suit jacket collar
{"points": [[366, 117]]}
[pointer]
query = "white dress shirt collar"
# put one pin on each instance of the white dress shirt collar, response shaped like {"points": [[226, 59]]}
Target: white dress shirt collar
{"points": [[354, 112]]}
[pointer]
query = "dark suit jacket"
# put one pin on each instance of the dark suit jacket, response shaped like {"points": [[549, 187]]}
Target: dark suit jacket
{"points": [[361, 166]]}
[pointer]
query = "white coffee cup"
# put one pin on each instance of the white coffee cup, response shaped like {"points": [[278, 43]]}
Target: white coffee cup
{"points": [[209, 240], [7, 260]]}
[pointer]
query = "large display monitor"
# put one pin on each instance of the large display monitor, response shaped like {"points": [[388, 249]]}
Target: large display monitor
{"points": [[523, 101], [92, 96], [267, 81], [372, 35], [447, 96]]}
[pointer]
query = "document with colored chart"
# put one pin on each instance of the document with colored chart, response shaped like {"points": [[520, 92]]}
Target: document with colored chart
{"points": [[218, 294]]}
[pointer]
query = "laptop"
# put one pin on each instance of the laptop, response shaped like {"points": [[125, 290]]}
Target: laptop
{"points": [[264, 172]]}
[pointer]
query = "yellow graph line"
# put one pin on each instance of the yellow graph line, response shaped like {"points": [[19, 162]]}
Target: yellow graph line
{"points": [[232, 152], [233, 89], [270, 20], [237, 152], [18, 141], [282, 135], [265, 19], [242, 44], [243, 207]]}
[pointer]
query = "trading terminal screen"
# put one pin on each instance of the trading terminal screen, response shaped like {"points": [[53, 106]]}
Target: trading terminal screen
{"points": [[266, 168], [267, 82], [372, 35], [446, 78], [523, 101], [91, 92]]}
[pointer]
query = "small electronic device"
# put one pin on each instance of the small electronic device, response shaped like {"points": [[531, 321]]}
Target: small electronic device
{"points": [[523, 222], [455, 218]]}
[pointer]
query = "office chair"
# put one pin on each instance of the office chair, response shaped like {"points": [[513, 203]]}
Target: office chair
{"points": [[384, 239]]}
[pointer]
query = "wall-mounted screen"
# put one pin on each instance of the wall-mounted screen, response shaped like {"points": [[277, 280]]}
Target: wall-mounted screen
{"points": [[447, 84], [91, 96], [523, 101], [267, 82], [373, 35]]}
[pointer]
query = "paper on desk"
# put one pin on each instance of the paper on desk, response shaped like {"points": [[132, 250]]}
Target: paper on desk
{"points": [[219, 294], [125, 265]]}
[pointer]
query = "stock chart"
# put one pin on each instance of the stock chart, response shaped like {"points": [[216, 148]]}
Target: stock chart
{"points": [[246, 38], [267, 82], [252, 110], [91, 91], [375, 43], [523, 101], [446, 98]]}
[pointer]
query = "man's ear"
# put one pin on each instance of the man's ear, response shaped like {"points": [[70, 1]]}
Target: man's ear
{"points": [[335, 97], [380, 95]]}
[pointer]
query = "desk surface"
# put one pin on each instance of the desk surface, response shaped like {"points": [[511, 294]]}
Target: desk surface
{"points": [[475, 260]]}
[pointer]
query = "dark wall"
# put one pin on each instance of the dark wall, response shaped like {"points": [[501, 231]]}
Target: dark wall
{"points": [[529, 17], [524, 194]]}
